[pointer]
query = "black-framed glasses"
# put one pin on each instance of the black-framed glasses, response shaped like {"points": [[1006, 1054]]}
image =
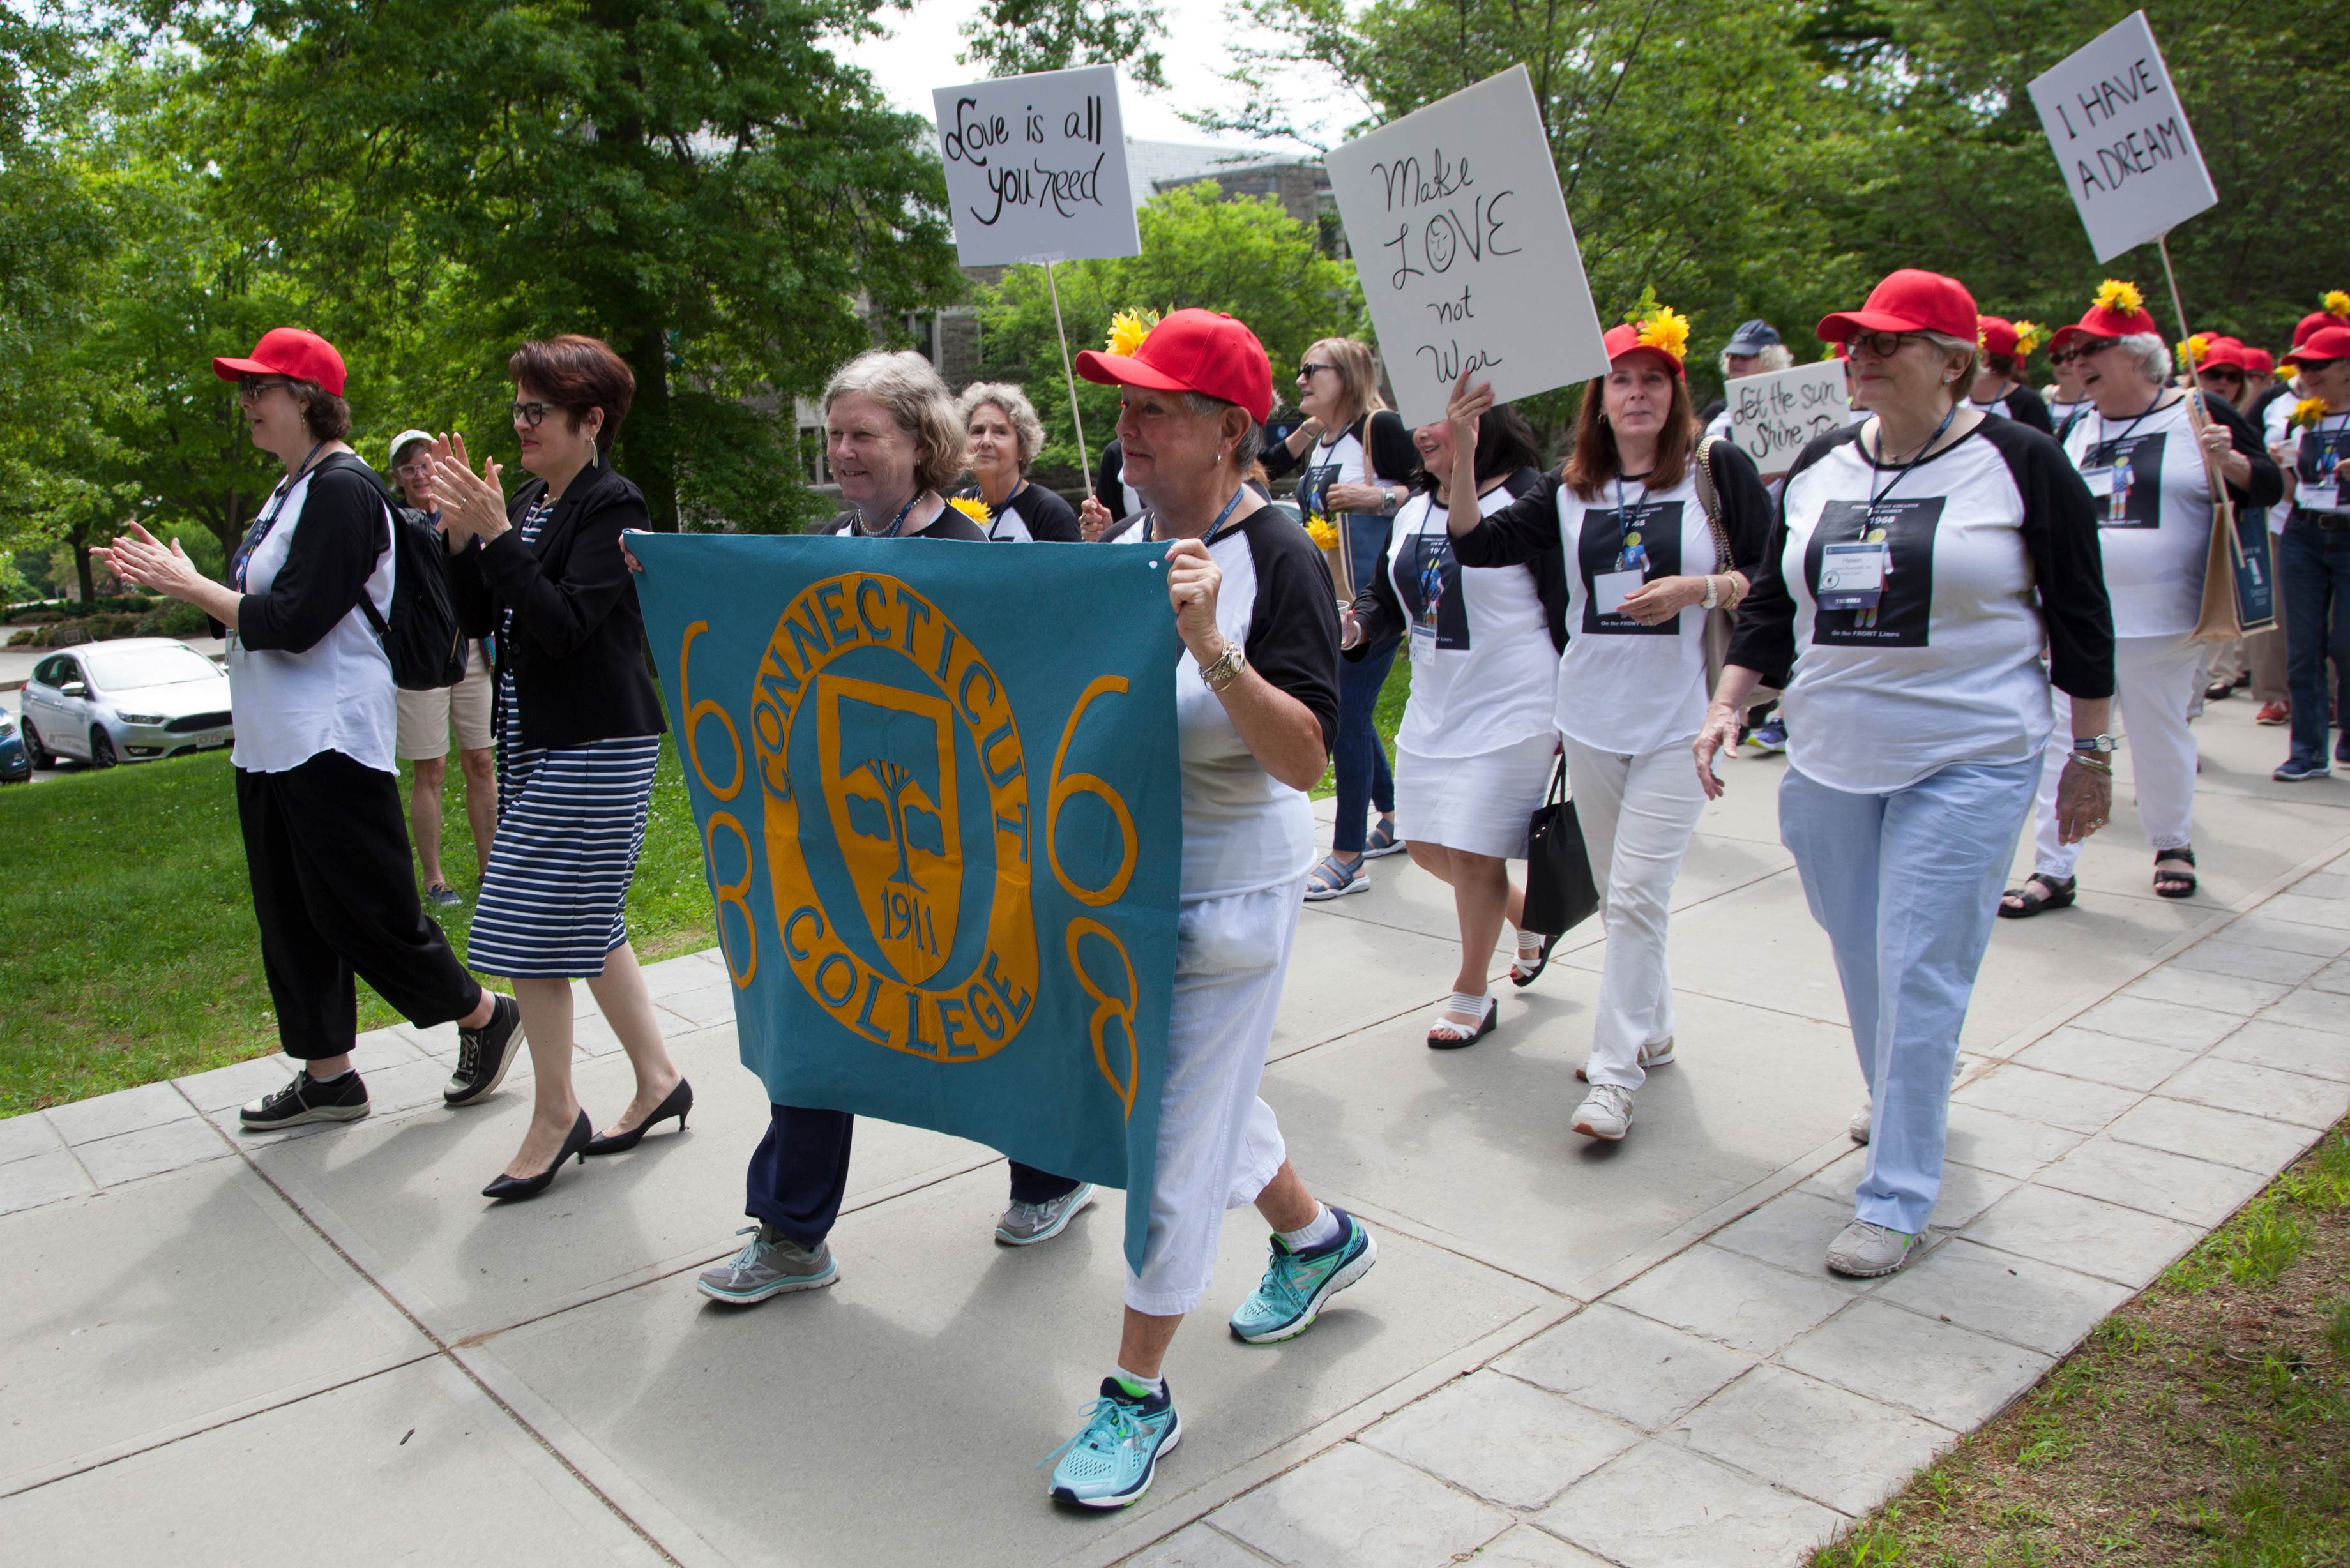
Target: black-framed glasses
{"points": [[250, 387], [530, 414], [1881, 345], [1305, 370]]}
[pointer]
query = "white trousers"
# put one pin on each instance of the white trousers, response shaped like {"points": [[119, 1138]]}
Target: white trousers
{"points": [[1218, 1144], [1638, 814], [2156, 679]]}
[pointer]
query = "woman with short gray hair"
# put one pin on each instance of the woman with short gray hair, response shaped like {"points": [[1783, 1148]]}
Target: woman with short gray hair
{"points": [[1003, 436], [888, 415]]}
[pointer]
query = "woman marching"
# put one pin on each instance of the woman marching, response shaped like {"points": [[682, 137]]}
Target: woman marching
{"points": [[1474, 754], [1903, 571], [1256, 702], [1004, 435], [2000, 387], [2148, 458], [1654, 535], [1356, 460]]}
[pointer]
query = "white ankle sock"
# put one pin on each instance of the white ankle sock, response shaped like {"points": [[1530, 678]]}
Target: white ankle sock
{"points": [[1320, 1234], [1137, 1383]]}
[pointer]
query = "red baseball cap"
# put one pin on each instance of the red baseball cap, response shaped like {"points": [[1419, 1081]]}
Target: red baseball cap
{"points": [[2325, 343], [2315, 321], [1996, 334], [2260, 362], [1909, 300], [1192, 350], [2219, 351], [288, 351], [1626, 339]]}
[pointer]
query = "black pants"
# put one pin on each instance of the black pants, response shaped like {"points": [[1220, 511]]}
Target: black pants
{"points": [[325, 844], [800, 1171]]}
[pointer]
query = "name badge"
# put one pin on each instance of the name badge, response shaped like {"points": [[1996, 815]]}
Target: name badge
{"points": [[2318, 497], [1852, 574], [235, 652], [1612, 588], [2100, 480], [1423, 639]]}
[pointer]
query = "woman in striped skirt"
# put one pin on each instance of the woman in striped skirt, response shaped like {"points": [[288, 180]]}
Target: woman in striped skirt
{"points": [[579, 731]]}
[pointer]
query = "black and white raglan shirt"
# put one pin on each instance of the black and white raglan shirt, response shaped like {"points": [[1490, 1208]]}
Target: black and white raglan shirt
{"points": [[2321, 452], [1343, 458], [1913, 606], [1029, 513], [1622, 686], [2022, 405], [2152, 499], [948, 524], [1483, 656]]}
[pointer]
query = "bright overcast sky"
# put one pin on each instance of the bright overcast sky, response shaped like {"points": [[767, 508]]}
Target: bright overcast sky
{"points": [[918, 55]]}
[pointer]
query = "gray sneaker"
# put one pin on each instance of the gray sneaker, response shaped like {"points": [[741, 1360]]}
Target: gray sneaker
{"points": [[1660, 1055], [1025, 1224], [1858, 1126], [769, 1265], [1865, 1251]]}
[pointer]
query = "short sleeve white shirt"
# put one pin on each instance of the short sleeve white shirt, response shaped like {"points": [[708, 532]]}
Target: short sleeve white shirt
{"points": [[2153, 497], [1483, 665], [1624, 687]]}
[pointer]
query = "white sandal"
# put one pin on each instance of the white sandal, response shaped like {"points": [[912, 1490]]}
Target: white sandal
{"points": [[1449, 1034]]}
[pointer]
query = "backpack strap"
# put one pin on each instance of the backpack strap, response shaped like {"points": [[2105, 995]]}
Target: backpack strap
{"points": [[354, 462]]}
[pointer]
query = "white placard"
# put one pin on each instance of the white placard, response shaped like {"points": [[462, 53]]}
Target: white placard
{"points": [[2121, 137], [1468, 261], [1037, 168], [1774, 416]]}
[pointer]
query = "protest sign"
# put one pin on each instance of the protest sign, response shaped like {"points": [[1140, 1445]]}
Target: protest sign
{"points": [[2122, 139], [1468, 259], [1774, 416], [1037, 168], [944, 854]]}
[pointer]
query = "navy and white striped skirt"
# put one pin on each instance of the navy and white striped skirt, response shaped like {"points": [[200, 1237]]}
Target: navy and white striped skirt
{"points": [[571, 820]]}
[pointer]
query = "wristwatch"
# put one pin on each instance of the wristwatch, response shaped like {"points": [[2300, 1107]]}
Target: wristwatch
{"points": [[2097, 746]]}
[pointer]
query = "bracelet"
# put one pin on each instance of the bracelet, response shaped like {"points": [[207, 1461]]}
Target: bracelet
{"points": [[2096, 765], [1226, 669], [1712, 593]]}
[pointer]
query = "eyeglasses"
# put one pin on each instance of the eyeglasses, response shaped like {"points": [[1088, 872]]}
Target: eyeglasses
{"points": [[1881, 345], [529, 415], [416, 470], [250, 387], [1305, 370]]}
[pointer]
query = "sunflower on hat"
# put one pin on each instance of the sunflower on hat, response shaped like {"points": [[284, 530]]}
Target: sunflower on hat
{"points": [[1128, 329], [2191, 352], [1659, 326], [2334, 302], [2027, 338], [2122, 298]]}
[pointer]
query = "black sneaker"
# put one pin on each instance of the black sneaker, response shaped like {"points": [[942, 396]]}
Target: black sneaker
{"points": [[307, 1099], [484, 1055]]}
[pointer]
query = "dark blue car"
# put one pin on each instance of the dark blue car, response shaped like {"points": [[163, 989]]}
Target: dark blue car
{"points": [[15, 763]]}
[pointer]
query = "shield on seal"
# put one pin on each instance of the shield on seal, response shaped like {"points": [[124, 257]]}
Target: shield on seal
{"points": [[888, 760]]}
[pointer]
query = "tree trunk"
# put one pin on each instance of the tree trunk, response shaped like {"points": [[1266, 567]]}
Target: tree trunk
{"points": [[648, 447], [81, 571]]}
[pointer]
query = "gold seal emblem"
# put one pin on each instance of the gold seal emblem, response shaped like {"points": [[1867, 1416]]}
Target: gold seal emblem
{"points": [[887, 795]]}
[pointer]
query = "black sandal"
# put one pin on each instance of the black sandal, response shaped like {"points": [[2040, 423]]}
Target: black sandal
{"points": [[2060, 892], [2187, 878], [1540, 962]]}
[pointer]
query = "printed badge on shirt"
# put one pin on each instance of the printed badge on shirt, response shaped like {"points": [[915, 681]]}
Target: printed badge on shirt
{"points": [[1871, 571], [2125, 479], [2317, 469], [1314, 490], [1620, 551], [1432, 580]]}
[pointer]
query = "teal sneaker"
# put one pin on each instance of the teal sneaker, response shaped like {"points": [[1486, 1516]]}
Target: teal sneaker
{"points": [[1111, 1460], [1296, 1284]]}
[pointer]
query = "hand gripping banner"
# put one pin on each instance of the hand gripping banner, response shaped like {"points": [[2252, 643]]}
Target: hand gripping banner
{"points": [[942, 819]]}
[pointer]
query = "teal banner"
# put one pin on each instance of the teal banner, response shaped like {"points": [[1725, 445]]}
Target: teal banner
{"points": [[941, 813]]}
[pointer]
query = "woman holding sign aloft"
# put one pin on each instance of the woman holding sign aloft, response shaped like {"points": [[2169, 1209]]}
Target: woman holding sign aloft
{"points": [[1903, 571], [1655, 529], [1355, 460], [2147, 452]]}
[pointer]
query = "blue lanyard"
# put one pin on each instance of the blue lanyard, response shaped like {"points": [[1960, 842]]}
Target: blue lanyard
{"points": [[261, 527], [1216, 530]]}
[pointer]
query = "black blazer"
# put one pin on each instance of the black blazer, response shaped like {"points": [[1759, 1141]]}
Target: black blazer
{"points": [[578, 647]]}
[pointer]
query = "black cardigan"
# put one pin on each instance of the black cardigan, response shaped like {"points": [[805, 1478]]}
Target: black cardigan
{"points": [[1388, 456], [1381, 613], [577, 649]]}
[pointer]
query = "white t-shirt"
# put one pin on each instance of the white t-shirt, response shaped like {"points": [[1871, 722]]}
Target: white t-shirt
{"points": [[336, 695], [1326, 463], [2320, 455], [2154, 515], [1624, 687], [1946, 667], [1482, 664]]}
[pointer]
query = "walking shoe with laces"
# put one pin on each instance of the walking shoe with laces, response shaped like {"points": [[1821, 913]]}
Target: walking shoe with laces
{"points": [[1296, 1284], [485, 1055], [1771, 736], [1025, 1224], [1660, 1055], [307, 1099], [2296, 770], [2274, 713], [1865, 1251], [769, 1265], [1858, 1126], [1607, 1113], [1112, 1460]]}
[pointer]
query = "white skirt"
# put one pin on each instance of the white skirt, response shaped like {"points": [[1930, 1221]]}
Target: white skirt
{"points": [[1477, 804]]}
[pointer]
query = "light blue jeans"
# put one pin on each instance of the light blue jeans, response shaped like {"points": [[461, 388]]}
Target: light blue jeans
{"points": [[1906, 886]]}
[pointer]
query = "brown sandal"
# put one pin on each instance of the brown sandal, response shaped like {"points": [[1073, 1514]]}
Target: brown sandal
{"points": [[2057, 893]]}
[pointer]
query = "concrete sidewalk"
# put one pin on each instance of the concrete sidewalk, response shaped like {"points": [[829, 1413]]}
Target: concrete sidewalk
{"points": [[227, 1349]]}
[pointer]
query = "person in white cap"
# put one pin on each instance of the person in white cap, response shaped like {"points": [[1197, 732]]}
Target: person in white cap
{"points": [[425, 717]]}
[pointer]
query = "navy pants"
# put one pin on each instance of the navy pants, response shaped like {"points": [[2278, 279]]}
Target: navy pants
{"points": [[2314, 565], [1363, 778], [800, 1171]]}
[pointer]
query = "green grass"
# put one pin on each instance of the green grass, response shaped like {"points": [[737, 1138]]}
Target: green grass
{"points": [[127, 950], [1387, 718]]}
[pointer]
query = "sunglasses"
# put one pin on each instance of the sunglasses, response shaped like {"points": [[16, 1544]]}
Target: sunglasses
{"points": [[1305, 370], [250, 387]]}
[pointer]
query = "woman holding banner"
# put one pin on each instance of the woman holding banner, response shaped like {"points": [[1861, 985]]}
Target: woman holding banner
{"points": [[1903, 571], [1355, 460], [2148, 453], [1256, 704], [1474, 754], [1004, 435], [1655, 530]]}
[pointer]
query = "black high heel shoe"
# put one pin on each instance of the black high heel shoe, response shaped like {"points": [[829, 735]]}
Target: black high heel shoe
{"points": [[680, 1100], [583, 1131]]}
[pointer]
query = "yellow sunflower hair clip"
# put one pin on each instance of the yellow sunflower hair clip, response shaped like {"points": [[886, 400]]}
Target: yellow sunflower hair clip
{"points": [[1128, 329], [2116, 295], [973, 507], [2336, 303]]}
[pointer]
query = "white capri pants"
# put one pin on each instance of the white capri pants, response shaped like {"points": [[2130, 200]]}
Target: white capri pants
{"points": [[1218, 1144], [2155, 680]]}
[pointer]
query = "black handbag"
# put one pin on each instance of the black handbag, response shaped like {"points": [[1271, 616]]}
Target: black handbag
{"points": [[1560, 893]]}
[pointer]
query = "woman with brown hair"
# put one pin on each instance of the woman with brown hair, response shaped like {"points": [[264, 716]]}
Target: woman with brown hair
{"points": [[1356, 460]]}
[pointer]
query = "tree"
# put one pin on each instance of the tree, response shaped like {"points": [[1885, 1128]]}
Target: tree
{"points": [[1247, 256], [1009, 37]]}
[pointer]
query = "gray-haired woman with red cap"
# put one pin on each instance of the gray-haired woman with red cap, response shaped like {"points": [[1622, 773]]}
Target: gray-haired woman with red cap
{"points": [[1922, 560], [310, 690]]}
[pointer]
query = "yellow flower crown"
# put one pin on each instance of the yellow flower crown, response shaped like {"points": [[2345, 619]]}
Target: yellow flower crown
{"points": [[2027, 339], [2116, 295], [2308, 412], [1128, 329], [2336, 303], [973, 507]]}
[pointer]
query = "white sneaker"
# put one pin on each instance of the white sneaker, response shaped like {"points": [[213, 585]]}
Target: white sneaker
{"points": [[1607, 1113], [1660, 1055], [1858, 1126], [1865, 1251]]}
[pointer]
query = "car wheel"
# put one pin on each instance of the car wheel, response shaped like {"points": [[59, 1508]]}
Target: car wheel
{"points": [[101, 748], [42, 756]]}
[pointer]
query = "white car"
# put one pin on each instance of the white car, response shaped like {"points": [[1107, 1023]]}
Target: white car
{"points": [[131, 700]]}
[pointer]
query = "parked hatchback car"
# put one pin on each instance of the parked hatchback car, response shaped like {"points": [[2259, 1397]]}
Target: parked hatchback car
{"points": [[16, 761], [131, 700]]}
